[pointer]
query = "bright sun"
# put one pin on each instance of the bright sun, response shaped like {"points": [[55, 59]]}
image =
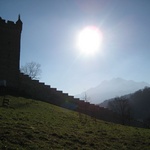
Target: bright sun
{"points": [[89, 40]]}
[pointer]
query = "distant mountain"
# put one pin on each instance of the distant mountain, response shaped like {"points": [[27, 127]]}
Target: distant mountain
{"points": [[105, 102], [112, 88]]}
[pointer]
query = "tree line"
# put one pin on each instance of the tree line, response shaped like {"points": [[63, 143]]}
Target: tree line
{"points": [[135, 106]]}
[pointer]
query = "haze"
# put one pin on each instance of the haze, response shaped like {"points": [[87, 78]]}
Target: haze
{"points": [[49, 33]]}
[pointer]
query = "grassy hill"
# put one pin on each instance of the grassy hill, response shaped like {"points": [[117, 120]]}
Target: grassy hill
{"points": [[34, 125]]}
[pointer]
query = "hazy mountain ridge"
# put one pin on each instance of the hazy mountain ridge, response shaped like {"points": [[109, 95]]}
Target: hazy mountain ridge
{"points": [[105, 102], [139, 103], [112, 88]]}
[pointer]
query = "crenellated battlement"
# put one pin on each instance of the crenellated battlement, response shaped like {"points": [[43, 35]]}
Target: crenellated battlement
{"points": [[2, 21], [10, 24]]}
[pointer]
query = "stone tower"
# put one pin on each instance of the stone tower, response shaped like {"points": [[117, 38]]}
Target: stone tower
{"points": [[10, 35]]}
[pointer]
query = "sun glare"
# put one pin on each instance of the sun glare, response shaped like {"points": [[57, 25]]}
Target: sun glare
{"points": [[89, 40]]}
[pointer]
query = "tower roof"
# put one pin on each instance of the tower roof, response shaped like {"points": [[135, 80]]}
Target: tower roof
{"points": [[19, 20]]}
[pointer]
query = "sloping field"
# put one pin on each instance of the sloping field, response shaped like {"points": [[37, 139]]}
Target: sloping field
{"points": [[34, 125]]}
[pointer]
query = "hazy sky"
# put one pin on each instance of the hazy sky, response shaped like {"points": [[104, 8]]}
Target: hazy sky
{"points": [[50, 28]]}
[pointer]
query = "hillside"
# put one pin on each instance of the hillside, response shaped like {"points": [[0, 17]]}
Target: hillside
{"points": [[139, 102], [112, 88], [28, 125]]}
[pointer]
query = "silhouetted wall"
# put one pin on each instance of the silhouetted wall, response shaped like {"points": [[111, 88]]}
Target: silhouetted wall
{"points": [[10, 34]]}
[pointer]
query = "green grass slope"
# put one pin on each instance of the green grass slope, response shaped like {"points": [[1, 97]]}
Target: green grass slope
{"points": [[33, 125]]}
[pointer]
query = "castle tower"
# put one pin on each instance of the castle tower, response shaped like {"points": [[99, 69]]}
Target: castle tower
{"points": [[10, 35]]}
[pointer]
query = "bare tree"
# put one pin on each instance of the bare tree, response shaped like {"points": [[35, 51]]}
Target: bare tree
{"points": [[121, 106], [85, 97], [82, 108], [32, 69]]}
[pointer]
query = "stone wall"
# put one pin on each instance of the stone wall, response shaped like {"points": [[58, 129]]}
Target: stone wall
{"points": [[40, 91], [10, 34], [37, 90]]}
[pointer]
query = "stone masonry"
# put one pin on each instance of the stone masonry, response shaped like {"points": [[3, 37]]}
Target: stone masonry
{"points": [[10, 35]]}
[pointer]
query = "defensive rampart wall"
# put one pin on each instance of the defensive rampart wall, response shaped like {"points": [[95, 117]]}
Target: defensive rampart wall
{"points": [[37, 90]]}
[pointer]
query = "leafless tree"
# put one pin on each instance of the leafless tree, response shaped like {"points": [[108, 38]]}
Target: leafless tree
{"points": [[32, 69], [121, 106], [82, 108], [85, 97]]}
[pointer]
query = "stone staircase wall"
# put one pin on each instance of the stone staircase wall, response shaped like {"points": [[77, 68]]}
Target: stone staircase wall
{"points": [[37, 90], [40, 91]]}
